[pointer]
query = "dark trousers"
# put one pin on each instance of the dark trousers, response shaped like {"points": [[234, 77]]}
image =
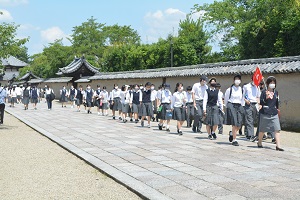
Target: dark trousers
{"points": [[190, 113], [49, 103], [2, 107], [221, 119], [250, 118], [198, 114]]}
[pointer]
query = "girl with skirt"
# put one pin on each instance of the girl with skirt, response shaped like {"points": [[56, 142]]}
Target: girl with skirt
{"points": [[63, 96], [234, 101], [34, 97], [88, 97], [269, 120], [26, 97], [97, 98], [165, 102], [104, 101], [146, 104], [79, 97], [135, 102], [178, 106], [13, 96], [116, 101], [125, 100], [71, 95], [212, 98]]}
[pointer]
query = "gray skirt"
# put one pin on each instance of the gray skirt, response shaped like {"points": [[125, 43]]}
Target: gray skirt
{"points": [[212, 116], [136, 108], [163, 114], [179, 113], [34, 100], [25, 100], [234, 114], [269, 123], [104, 106], [125, 108], [146, 109], [117, 104]]}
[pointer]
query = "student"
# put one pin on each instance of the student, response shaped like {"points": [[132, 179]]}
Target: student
{"points": [[63, 96], [212, 98], [3, 95], [79, 97], [189, 106], [104, 101], [153, 100], [13, 96], [234, 101], [269, 120], [88, 98], [41, 94], [26, 97], [251, 98], [97, 98], [116, 101], [49, 98], [135, 101], [34, 97], [72, 94], [221, 108], [178, 106], [158, 102], [198, 95], [146, 104], [19, 92], [165, 102], [125, 100]]}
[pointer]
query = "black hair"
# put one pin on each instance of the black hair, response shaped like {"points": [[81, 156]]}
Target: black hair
{"points": [[136, 85], [237, 76], [98, 86], [159, 87], [123, 88], [218, 85], [203, 78], [213, 78], [104, 87], [147, 84], [269, 80], [115, 84], [152, 84], [189, 88], [177, 85], [80, 86]]}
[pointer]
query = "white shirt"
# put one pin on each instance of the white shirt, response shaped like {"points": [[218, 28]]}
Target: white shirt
{"points": [[219, 102], [165, 96], [104, 96], [252, 92], [13, 93], [125, 97], [48, 91], [219, 105], [153, 95], [115, 93], [199, 91], [18, 91], [236, 96], [178, 99], [189, 97]]}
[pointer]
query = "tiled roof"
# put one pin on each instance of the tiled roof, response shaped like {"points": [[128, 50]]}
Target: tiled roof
{"points": [[36, 80], [13, 61], [58, 80], [28, 74], [84, 79], [75, 65], [267, 65]]}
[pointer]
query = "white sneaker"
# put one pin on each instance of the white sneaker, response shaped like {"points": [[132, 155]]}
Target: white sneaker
{"points": [[98, 113], [149, 126]]}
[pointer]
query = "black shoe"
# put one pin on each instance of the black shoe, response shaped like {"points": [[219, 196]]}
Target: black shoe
{"points": [[124, 120], [131, 120], [153, 119], [180, 133], [248, 137], [240, 132], [230, 136], [214, 136], [160, 127], [259, 145], [198, 130], [279, 149], [168, 130], [210, 137], [273, 140], [114, 118], [136, 121], [120, 118], [254, 138], [194, 129], [264, 137], [235, 143]]}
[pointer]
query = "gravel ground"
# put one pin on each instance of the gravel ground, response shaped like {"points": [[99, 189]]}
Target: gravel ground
{"points": [[33, 167]]}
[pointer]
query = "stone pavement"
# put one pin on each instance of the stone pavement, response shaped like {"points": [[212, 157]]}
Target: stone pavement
{"points": [[160, 165]]}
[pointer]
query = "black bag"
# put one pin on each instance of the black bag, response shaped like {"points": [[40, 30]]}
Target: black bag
{"points": [[52, 96]]}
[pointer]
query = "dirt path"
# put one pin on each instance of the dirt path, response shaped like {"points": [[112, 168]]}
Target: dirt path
{"points": [[33, 167]]}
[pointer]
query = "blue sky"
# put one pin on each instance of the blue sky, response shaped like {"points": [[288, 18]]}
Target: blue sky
{"points": [[46, 20]]}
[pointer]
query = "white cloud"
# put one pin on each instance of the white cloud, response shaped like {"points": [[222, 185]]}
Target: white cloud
{"points": [[29, 27], [13, 2], [51, 34], [5, 16]]}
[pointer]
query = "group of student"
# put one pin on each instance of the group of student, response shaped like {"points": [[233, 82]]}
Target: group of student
{"points": [[201, 103]]}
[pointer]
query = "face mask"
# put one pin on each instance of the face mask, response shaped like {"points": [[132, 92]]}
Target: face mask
{"points": [[152, 88], [167, 89], [213, 84], [141, 87], [88, 88], [237, 82], [116, 87], [136, 88], [272, 85]]}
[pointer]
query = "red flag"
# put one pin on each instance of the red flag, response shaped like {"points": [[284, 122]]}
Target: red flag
{"points": [[257, 76]]}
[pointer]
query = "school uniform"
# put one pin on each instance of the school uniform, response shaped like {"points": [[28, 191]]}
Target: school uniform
{"points": [[116, 97], [146, 107], [153, 100], [104, 99], [135, 100], [251, 93], [89, 97], [178, 106], [13, 96], [63, 95], [26, 96], [189, 108], [269, 120], [97, 98], [48, 92], [79, 97], [212, 98], [199, 92], [165, 99], [221, 114], [125, 100], [34, 95], [72, 93], [234, 101]]}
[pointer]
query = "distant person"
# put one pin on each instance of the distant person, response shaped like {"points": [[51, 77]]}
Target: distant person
{"points": [[221, 110], [189, 107], [49, 97], [34, 97], [71, 94], [116, 101], [26, 97], [3, 95], [88, 98], [104, 101], [79, 97], [146, 104], [63, 96], [13, 96], [165, 104]]}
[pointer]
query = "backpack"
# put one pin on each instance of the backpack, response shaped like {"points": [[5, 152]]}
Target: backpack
{"points": [[231, 91]]}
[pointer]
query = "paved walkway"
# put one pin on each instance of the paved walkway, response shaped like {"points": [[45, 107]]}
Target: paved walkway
{"points": [[158, 165]]}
